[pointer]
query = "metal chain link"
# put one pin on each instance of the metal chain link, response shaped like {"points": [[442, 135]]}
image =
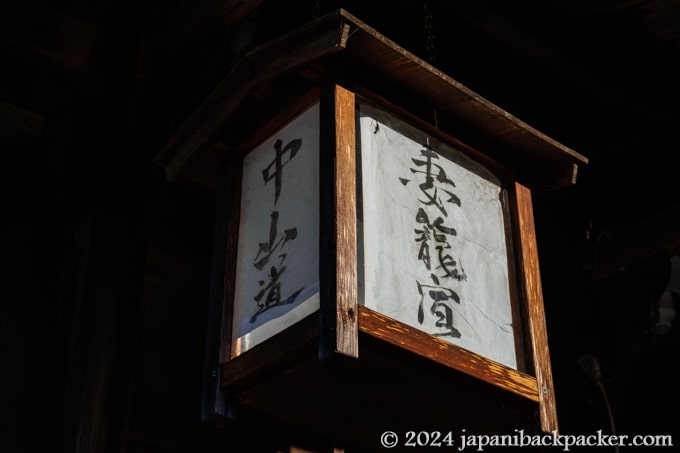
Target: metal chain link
{"points": [[430, 38]]}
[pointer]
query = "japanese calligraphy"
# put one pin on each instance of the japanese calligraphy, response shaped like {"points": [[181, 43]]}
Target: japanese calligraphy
{"points": [[434, 239], [275, 168], [271, 255]]}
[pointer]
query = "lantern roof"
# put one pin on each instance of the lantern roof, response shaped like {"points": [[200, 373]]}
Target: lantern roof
{"points": [[342, 48]]}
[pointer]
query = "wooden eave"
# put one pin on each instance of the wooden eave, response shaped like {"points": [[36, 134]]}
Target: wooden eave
{"points": [[539, 162]]}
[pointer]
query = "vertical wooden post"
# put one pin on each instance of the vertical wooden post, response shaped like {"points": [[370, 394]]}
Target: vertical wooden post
{"points": [[338, 235], [218, 329], [533, 296]]}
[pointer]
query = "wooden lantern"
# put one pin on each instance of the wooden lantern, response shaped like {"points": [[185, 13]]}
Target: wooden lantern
{"points": [[376, 264]]}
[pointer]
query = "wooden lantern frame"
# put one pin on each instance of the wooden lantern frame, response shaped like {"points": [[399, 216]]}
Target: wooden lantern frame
{"points": [[320, 63]]}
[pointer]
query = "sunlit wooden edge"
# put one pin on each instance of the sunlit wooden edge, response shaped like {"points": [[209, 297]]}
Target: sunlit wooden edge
{"points": [[448, 354]]}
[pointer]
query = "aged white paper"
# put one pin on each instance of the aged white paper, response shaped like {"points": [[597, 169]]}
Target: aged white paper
{"points": [[434, 246], [277, 271]]}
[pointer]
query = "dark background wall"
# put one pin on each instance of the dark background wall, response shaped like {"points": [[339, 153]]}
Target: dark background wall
{"points": [[104, 304]]}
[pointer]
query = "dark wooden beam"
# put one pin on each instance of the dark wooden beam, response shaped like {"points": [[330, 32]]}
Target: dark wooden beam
{"points": [[265, 63], [630, 245], [508, 34], [18, 123], [29, 57], [234, 12]]}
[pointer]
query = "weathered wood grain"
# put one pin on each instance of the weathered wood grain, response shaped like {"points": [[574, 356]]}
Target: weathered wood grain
{"points": [[530, 282], [359, 53], [346, 224], [339, 329], [448, 354]]}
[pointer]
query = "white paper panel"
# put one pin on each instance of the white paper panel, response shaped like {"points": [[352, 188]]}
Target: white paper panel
{"points": [[277, 276], [435, 253]]}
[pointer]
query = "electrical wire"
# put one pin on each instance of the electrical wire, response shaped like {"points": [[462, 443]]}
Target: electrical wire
{"points": [[609, 412], [596, 372]]}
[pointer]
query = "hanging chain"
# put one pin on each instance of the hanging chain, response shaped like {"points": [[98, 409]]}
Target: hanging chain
{"points": [[316, 9], [430, 44]]}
